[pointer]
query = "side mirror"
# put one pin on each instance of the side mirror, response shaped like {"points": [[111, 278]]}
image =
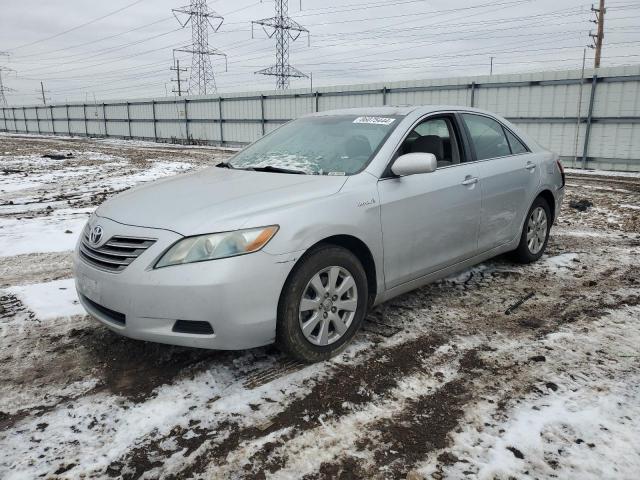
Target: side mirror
{"points": [[413, 163]]}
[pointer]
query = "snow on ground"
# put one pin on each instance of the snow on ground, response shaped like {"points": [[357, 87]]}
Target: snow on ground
{"points": [[58, 232], [49, 300], [561, 263], [575, 421], [440, 382], [158, 170], [604, 173], [147, 144]]}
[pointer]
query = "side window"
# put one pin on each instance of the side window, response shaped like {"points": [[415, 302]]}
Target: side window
{"points": [[516, 145], [437, 127], [487, 136], [437, 136]]}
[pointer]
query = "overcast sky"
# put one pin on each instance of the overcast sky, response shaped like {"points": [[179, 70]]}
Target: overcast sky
{"points": [[127, 54]]}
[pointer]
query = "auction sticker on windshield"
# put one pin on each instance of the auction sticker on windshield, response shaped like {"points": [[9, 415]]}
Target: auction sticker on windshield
{"points": [[375, 120]]}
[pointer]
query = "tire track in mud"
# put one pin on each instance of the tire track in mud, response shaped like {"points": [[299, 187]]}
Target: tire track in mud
{"points": [[10, 306], [395, 444], [335, 393], [34, 268]]}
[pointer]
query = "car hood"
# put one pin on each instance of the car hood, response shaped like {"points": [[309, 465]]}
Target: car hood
{"points": [[214, 199]]}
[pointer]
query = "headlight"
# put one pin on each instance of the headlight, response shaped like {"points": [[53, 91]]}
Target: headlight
{"points": [[217, 245]]}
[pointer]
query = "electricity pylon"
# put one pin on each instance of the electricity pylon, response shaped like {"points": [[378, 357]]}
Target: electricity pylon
{"points": [[3, 99], [284, 28], [3, 89], [202, 79]]}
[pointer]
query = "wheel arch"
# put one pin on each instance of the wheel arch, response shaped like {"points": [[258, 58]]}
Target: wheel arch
{"points": [[551, 201], [356, 246]]}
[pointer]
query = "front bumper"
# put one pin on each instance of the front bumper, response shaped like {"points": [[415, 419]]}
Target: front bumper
{"points": [[237, 296]]}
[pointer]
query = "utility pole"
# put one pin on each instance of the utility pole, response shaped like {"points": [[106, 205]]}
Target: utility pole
{"points": [[579, 116], [491, 67], [44, 100], [284, 28], [598, 38], [177, 69], [202, 79]]}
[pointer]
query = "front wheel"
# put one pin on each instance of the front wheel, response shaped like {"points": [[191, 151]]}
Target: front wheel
{"points": [[323, 304], [535, 232]]}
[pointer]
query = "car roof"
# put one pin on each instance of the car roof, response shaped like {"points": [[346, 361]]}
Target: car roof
{"points": [[398, 110]]}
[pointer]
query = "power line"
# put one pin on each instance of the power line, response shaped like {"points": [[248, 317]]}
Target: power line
{"points": [[77, 26], [284, 30], [425, 38], [97, 53], [338, 34], [102, 39]]}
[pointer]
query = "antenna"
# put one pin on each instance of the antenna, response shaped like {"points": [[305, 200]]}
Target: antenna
{"points": [[284, 28], [202, 19]]}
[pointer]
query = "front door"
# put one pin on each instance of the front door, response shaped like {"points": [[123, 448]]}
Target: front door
{"points": [[430, 221]]}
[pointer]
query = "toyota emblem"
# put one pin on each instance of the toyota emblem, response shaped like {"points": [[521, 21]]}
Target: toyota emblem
{"points": [[96, 235]]}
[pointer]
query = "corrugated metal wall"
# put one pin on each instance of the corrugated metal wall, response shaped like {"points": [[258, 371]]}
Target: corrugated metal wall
{"points": [[596, 117]]}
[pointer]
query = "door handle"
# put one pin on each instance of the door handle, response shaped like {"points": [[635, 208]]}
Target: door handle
{"points": [[470, 180], [530, 166]]}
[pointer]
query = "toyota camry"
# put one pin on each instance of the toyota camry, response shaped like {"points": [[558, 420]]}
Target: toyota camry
{"points": [[295, 237]]}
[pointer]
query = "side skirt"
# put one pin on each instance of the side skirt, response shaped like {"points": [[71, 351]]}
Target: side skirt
{"points": [[444, 272]]}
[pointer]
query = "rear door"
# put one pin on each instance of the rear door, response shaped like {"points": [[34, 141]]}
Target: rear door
{"points": [[430, 221], [509, 176]]}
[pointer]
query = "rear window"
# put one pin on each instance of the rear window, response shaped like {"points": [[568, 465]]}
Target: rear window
{"points": [[487, 136], [516, 145]]}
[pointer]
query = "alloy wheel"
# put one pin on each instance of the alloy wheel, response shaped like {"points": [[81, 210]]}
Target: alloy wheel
{"points": [[536, 230], [328, 305]]}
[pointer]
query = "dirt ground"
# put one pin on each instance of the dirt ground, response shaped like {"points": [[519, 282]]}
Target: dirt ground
{"points": [[441, 382]]}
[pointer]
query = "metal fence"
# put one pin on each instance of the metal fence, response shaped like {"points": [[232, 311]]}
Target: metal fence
{"points": [[594, 118]]}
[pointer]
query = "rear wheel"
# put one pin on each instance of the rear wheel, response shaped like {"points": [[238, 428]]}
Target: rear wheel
{"points": [[322, 305], [535, 232]]}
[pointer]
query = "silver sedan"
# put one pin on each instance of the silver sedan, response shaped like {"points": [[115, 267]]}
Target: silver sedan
{"points": [[297, 235]]}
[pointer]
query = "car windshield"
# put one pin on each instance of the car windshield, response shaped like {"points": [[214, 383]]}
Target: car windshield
{"points": [[323, 145]]}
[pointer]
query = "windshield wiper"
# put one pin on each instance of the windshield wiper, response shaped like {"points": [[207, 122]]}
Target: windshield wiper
{"points": [[225, 165], [274, 169]]}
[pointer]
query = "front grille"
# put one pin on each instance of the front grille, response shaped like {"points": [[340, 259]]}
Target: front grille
{"points": [[115, 317], [116, 254]]}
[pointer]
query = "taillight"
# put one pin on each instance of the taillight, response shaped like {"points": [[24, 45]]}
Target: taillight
{"points": [[561, 168]]}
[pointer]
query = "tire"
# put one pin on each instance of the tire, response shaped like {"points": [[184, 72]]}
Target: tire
{"points": [[304, 303], [535, 232]]}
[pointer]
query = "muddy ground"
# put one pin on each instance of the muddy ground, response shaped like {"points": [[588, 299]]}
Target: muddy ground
{"points": [[440, 383]]}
